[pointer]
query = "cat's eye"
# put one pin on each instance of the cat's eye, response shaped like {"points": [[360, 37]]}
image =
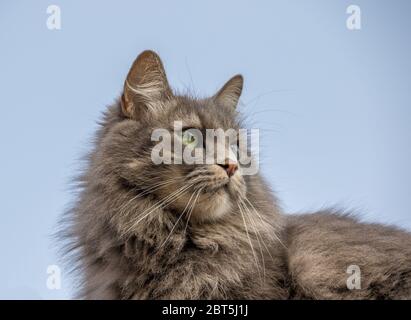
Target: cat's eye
{"points": [[189, 139]]}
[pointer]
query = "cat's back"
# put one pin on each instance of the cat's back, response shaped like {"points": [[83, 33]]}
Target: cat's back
{"points": [[333, 256]]}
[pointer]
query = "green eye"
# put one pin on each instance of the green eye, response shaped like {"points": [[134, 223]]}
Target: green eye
{"points": [[189, 139]]}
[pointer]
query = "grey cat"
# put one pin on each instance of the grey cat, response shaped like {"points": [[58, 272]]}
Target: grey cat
{"points": [[144, 231]]}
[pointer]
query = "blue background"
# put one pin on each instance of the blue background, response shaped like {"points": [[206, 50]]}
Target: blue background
{"points": [[333, 104]]}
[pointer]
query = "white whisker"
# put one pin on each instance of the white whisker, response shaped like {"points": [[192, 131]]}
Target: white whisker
{"points": [[262, 220], [249, 239], [178, 220], [247, 213]]}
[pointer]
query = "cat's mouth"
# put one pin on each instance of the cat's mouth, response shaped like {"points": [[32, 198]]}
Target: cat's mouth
{"points": [[212, 186], [232, 187]]}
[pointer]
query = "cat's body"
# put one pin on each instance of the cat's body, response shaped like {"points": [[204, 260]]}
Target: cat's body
{"points": [[333, 256], [146, 231]]}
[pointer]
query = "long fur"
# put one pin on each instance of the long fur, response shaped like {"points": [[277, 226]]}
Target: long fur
{"points": [[143, 231]]}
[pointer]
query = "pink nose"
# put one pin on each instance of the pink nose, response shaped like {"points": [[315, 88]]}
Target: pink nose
{"points": [[229, 167]]}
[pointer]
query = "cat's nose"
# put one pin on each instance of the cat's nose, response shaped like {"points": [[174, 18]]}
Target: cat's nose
{"points": [[229, 167]]}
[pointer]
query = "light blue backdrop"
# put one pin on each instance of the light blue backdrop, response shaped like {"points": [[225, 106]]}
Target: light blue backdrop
{"points": [[334, 104]]}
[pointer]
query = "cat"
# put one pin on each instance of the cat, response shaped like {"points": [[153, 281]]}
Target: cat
{"points": [[140, 230]]}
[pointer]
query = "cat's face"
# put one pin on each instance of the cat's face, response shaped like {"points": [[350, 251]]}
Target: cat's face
{"points": [[201, 191]]}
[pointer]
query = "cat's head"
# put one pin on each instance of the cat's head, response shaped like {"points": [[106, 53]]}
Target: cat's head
{"points": [[204, 191]]}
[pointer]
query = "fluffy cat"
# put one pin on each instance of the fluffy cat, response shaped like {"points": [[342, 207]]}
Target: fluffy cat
{"points": [[180, 231]]}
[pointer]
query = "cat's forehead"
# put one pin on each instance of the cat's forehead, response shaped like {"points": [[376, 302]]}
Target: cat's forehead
{"points": [[185, 110], [201, 113]]}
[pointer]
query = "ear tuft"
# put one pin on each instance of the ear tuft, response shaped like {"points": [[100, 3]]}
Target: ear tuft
{"points": [[146, 85], [230, 93]]}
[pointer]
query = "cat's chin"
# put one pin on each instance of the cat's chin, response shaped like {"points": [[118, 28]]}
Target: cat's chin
{"points": [[212, 207], [219, 202]]}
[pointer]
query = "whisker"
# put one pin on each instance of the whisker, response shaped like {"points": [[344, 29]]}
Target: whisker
{"points": [[166, 201], [249, 239], [257, 233], [263, 242], [178, 220], [145, 192], [258, 214], [191, 209]]}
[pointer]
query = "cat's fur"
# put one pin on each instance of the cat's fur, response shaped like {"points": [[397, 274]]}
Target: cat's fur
{"points": [[322, 247], [233, 242]]}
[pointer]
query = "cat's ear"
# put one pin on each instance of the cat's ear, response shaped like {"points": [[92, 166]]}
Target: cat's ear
{"points": [[230, 93], [146, 86]]}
